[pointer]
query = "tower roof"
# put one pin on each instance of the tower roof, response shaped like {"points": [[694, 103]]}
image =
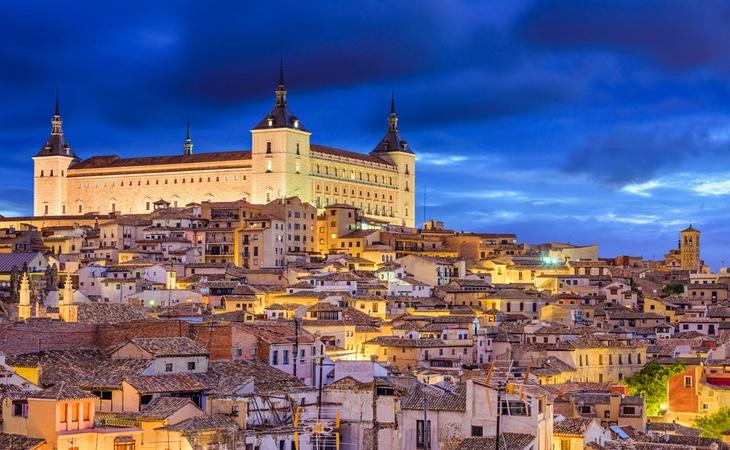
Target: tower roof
{"points": [[188, 146], [392, 142], [56, 144], [281, 116], [690, 228]]}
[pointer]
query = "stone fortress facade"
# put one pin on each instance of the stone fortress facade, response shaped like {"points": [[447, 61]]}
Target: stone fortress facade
{"points": [[281, 163]]}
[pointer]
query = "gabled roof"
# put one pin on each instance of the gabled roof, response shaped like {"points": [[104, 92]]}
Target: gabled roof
{"points": [[168, 383], [509, 441], [62, 391], [170, 346], [10, 260], [20, 442], [216, 422], [447, 398], [574, 426]]}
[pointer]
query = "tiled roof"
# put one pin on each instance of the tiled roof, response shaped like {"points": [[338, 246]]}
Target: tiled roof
{"points": [[163, 407], [20, 442], [61, 391], [13, 392], [215, 422], [88, 369], [173, 382], [395, 341], [170, 346], [109, 313], [447, 398], [276, 332], [114, 161], [267, 379], [10, 260], [322, 150], [509, 441], [575, 426], [159, 408]]}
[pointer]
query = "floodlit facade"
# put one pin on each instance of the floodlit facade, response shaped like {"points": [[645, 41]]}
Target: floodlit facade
{"points": [[282, 163]]}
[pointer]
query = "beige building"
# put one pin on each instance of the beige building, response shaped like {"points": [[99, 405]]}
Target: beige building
{"points": [[689, 249], [281, 163]]}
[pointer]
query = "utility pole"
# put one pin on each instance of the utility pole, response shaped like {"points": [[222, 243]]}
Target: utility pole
{"points": [[500, 392], [296, 344]]}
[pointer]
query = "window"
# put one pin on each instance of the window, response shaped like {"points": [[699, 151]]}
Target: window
{"points": [[191, 365], [477, 431], [275, 358], [268, 147], [565, 444], [514, 408], [420, 435], [20, 408], [63, 413], [168, 367], [74, 412], [124, 443], [688, 382], [628, 410], [285, 359], [268, 165]]}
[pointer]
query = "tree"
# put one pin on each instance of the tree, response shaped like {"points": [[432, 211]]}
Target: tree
{"points": [[713, 425], [673, 288], [651, 383]]}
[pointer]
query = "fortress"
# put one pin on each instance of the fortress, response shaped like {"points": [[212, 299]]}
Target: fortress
{"points": [[281, 163]]}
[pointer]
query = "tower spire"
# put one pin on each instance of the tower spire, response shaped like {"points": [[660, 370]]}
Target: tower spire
{"points": [[188, 147], [57, 111], [56, 122], [392, 117], [280, 88]]}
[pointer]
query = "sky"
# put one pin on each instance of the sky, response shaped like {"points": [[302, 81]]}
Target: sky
{"points": [[577, 121]]}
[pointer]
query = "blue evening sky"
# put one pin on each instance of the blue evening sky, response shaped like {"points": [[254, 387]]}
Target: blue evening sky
{"points": [[581, 121]]}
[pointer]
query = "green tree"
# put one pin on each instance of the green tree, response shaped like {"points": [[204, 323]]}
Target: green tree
{"points": [[651, 383], [714, 424], [673, 288]]}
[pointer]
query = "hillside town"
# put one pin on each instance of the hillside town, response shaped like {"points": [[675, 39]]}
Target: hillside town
{"points": [[279, 325]]}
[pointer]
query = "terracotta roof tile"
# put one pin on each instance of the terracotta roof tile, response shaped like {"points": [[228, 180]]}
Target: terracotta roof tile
{"points": [[509, 441], [114, 161]]}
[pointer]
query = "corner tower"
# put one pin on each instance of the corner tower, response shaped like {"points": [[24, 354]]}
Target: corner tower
{"points": [[280, 153], [50, 167], [394, 149], [689, 249]]}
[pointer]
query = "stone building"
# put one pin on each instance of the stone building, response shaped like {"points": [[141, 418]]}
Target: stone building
{"points": [[281, 163]]}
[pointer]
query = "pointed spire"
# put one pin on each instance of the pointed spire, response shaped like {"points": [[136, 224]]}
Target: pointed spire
{"points": [[392, 117], [56, 122], [188, 147], [280, 88], [57, 111]]}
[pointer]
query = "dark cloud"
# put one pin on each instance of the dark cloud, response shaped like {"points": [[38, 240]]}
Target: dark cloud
{"points": [[631, 154], [517, 88], [679, 34]]}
